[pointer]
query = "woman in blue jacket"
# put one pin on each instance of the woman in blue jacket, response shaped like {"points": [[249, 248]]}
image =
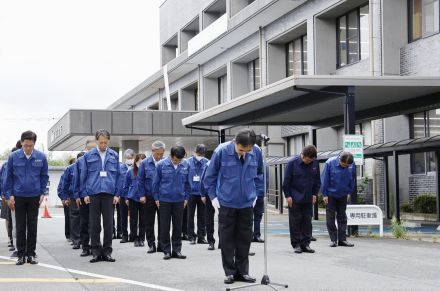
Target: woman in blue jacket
{"points": [[136, 203]]}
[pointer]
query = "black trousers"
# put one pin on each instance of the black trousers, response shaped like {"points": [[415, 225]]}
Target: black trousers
{"points": [[138, 218], [152, 210], [26, 215], [336, 210], [209, 220], [258, 215], [75, 223], [101, 204], [194, 202], [117, 226], [123, 211], [171, 213], [185, 221], [9, 222], [66, 221], [235, 229], [300, 224], [84, 217]]}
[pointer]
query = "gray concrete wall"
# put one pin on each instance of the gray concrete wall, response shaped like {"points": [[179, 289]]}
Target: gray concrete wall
{"points": [[421, 58]]}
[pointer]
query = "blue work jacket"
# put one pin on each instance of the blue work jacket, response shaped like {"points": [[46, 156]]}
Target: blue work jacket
{"points": [[196, 169], [301, 181], [147, 171], [337, 181], [26, 177], [170, 184], [91, 181], [235, 185]]}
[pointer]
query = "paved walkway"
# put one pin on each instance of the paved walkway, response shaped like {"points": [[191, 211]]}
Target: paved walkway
{"points": [[373, 264]]}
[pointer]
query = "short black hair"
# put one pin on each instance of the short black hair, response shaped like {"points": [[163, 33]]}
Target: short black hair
{"points": [[346, 157], [18, 145], [28, 135], [246, 137], [310, 151], [72, 161], [178, 152], [201, 149], [102, 132], [13, 149], [80, 154]]}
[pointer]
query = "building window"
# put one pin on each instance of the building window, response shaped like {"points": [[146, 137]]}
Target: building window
{"points": [[196, 99], [424, 124], [297, 56], [254, 75], [352, 36], [222, 89], [424, 18]]}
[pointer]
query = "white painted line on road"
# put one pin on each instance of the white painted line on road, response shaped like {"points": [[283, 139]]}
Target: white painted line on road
{"points": [[121, 280]]}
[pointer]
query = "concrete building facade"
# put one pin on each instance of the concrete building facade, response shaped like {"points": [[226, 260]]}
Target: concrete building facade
{"points": [[214, 52]]}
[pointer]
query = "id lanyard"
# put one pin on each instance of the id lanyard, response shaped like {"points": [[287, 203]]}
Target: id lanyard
{"points": [[103, 172]]}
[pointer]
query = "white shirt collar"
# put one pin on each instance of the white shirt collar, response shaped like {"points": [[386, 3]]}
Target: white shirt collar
{"points": [[28, 156]]}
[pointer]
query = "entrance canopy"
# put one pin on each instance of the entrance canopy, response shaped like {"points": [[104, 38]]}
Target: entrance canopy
{"points": [[142, 127], [306, 100]]}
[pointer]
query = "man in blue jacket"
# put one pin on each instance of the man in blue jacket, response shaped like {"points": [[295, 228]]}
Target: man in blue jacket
{"points": [[197, 165], [232, 180], [79, 199], [170, 189], [338, 182], [100, 183], [301, 186], [64, 201], [209, 213], [145, 177], [26, 182], [123, 207], [68, 193]]}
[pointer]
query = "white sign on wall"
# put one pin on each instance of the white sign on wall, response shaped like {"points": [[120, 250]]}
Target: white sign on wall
{"points": [[354, 144]]}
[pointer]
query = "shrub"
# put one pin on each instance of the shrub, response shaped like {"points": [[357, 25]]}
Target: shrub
{"points": [[397, 228], [321, 203], [406, 207], [425, 203]]}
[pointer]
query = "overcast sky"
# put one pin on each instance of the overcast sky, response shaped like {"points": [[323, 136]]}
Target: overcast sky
{"points": [[61, 54]]}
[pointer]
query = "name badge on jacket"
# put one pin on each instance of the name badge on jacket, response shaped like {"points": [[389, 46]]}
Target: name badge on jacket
{"points": [[103, 174], [196, 179]]}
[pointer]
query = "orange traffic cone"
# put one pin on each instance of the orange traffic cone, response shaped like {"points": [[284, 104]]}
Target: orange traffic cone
{"points": [[46, 210]]}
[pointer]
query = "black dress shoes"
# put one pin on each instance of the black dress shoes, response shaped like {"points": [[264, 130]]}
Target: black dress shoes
{"points": [[258, 239], [124, 240], [202, 241], [141, 243], [185, 237], [307, 249], [136, 243], [333, 244], [20, 261], [211, 247], [108, 258], [76, 246], [85, 253], [152, 249], [167, 256], [95, 259], [245, 278], [297, 250], [178, 256], [192, 241], [312, 238], [229, 279], [32, 260], [345, 244]]}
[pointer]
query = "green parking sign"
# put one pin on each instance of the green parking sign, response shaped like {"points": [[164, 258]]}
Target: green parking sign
{"points": [[355, 145]]}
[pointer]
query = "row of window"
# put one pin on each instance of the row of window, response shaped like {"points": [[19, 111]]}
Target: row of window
{"points": [[424, 124]]}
